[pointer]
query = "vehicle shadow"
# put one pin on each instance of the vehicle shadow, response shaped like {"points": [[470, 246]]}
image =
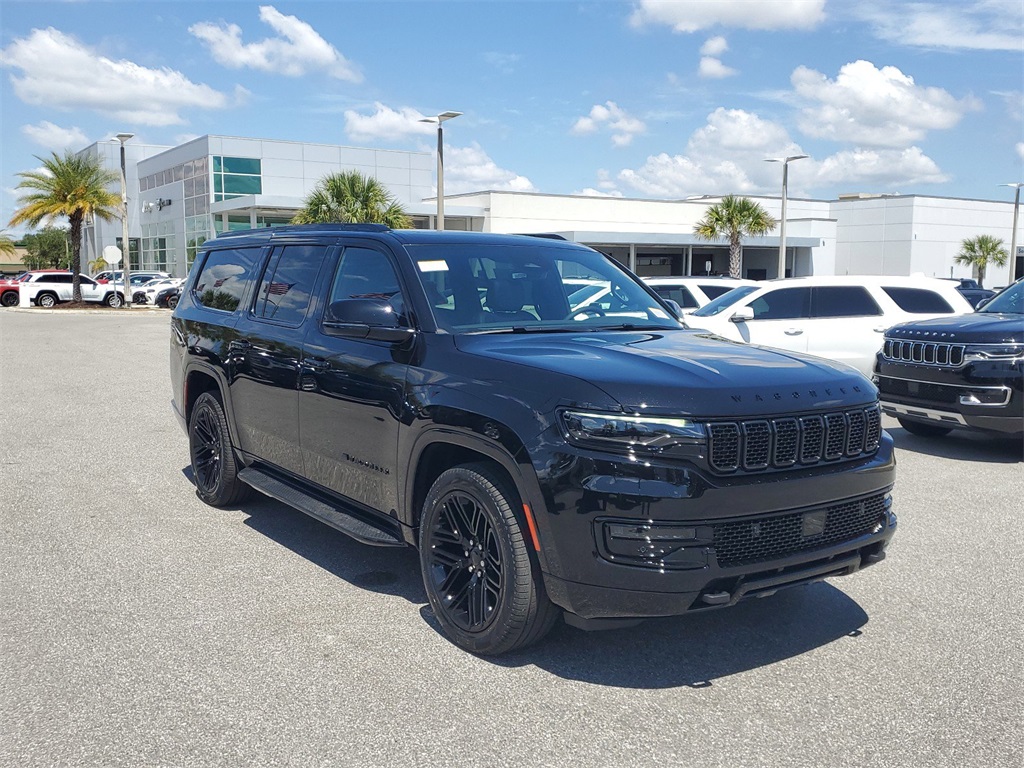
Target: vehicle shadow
{"points": [[685, 651], [693, 651], [963, 445], [387, 570]]}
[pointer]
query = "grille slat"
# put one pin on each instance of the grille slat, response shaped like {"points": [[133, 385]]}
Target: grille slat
{"points": [[761, 444], [923, 353], [747, 541]]}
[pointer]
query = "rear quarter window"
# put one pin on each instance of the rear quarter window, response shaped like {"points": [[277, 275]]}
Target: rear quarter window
{"points": [[225, 275], [918, 301]]}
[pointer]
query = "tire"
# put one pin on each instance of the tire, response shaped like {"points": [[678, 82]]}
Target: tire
{"points": [[482, 582], [214, 466], [923, 430], [10, 299], [172, 302], [46, 300], [114, 300], [139, 298]]}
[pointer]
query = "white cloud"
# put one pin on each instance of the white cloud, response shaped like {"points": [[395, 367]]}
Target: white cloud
{"points": [[714, 46], [623, 126], [51, 136], [714, 69], [727, 155], [470, 169], [59, 72], [865, 105], [296, 50], [386, 124], [694, 15], [991, 25], [880, 168]]}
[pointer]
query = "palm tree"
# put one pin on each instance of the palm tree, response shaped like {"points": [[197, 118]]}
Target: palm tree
{"points": [[7, 247], [74, 186], [351, 197], [978, 252], [734, 218]]}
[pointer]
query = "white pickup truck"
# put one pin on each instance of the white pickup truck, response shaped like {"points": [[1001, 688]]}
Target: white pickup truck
{"points": [[47, 288]]}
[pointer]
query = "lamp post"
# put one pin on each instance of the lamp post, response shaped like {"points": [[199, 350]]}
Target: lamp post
{"points": [[1013, 235], [126, 249], [782, 220], [439, 119]]}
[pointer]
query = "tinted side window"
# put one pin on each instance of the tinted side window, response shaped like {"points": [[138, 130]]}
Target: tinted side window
{"points": [[225, 274], [364, 273], [287, 283], [679, 295], [783, 304], [844, 301], [918, 300]]}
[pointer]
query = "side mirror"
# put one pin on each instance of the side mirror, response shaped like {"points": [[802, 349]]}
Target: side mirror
{"points": [[742, 314], [677, 311], [365, 319], [982, 303]]}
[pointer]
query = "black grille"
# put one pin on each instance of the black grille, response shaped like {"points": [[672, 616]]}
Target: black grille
{"points": [[763, 444], [923, 352], [921, 390], [743, 542]]}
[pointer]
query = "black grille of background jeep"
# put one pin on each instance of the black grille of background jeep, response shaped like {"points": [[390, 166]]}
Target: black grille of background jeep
{"points": [[759, 445], [742, 542], [923, 352]]}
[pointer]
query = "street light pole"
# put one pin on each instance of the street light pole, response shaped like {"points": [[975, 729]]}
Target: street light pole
{"points": [[782, 221], [125, 249], [439, 119], [1013, 235]]}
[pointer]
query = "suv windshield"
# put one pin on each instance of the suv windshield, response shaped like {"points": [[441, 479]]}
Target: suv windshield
{"points": [[1010, 300], [527, 288], [725, 300]]}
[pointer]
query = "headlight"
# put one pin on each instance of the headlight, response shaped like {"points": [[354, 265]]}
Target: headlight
{"points": [[646, 433], [996, 352]]}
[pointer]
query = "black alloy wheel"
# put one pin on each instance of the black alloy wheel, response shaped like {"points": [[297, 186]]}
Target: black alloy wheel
{"points": [[10, 299], [481, 579], [172, 302], [214, 467]]}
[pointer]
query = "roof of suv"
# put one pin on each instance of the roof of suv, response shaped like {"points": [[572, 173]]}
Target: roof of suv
{"points": [[405, 236]]}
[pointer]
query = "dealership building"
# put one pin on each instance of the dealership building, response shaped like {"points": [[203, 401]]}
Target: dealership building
{"points": [[178, 197]]}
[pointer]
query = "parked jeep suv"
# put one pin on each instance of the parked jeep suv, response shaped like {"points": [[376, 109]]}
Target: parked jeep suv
{"points": [[437, 390], [963, 372]]}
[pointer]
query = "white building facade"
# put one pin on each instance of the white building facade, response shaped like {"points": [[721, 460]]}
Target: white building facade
{"points": [[178, 197]]}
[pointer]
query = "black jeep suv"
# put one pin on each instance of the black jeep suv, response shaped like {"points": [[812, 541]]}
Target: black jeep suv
{"points": [[960, 372], [439, 390]]}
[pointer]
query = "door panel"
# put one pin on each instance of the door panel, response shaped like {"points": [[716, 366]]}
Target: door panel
{"points": [[780, 319]]}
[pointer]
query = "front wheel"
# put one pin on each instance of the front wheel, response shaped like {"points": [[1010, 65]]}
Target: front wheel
{"points": [[923, 430], [214, 467], [481, 581], [172, 302]]}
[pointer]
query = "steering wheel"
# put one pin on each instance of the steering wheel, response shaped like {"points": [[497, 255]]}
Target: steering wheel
{"points": [[591, 310]]}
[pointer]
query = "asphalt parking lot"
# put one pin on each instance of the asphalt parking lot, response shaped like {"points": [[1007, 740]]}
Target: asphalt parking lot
{"points": [[141, 627]]}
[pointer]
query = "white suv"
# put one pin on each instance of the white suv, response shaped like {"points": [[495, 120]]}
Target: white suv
{"points": [[48, 288], [840, 318], [692, 293]]}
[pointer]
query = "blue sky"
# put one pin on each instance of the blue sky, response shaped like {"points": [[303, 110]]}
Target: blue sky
{"points": [[647, 99]]}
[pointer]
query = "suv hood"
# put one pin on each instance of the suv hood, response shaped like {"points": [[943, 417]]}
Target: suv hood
{"points": [[683, 372], [977, 328]]}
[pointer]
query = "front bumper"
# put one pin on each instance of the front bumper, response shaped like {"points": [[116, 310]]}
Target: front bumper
{"points": [[710, 541]]}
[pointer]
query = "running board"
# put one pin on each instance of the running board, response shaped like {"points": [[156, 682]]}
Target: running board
{"points": [[332, 515]]}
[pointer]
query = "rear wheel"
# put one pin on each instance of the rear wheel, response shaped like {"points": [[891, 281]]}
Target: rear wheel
{"points": [[214, 466], [480, 578], [10, 299], [114, 300], [921, 429], [46, 300]]}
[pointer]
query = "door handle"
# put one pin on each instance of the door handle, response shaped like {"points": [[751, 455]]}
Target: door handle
{"points": [[239, 346], [793, 331], [316, 364]]}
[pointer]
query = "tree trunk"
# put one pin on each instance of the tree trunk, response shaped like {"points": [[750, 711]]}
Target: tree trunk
{"points": [[76, 256], [735, 258]]}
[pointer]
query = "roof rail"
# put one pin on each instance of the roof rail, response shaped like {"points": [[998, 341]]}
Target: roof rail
{"points": [[331, 227], [548, 235]]}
